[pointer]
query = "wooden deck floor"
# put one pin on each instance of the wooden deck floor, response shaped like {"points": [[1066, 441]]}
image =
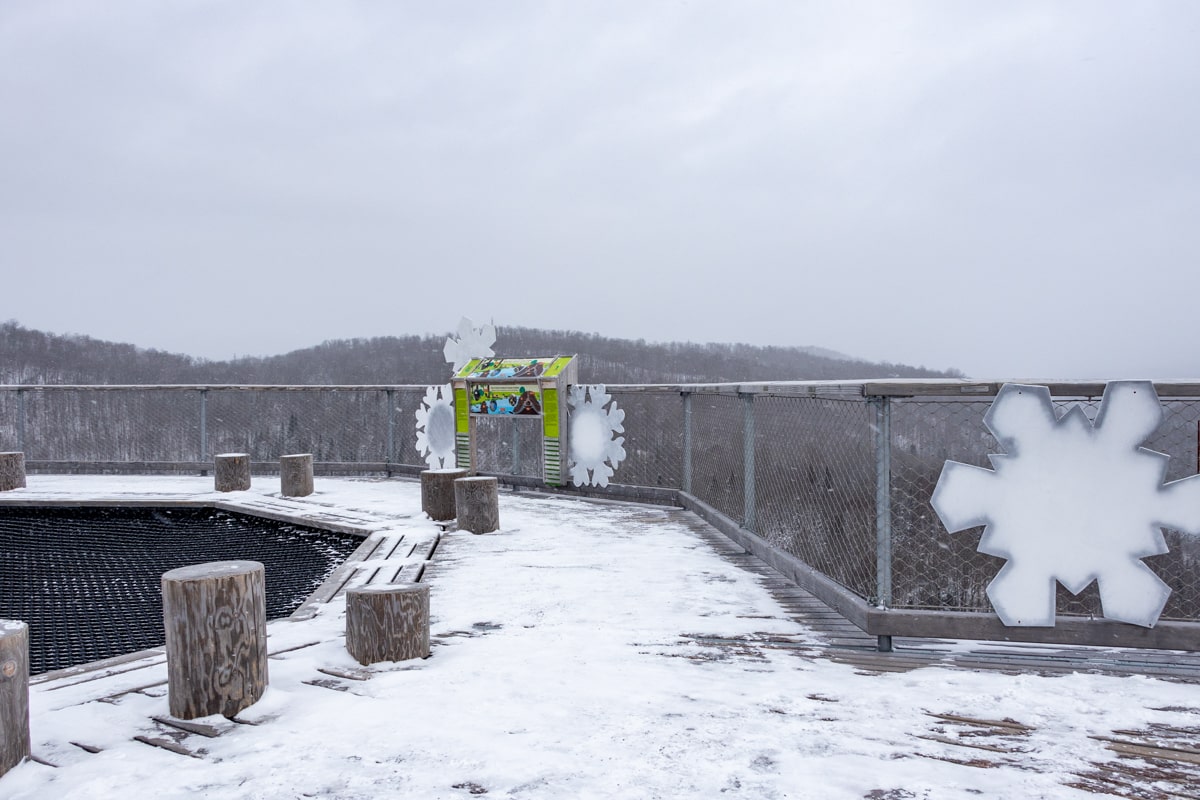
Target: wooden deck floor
{"points": [[1152, 763]]}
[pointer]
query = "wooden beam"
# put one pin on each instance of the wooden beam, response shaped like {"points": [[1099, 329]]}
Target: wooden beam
{"points": [[1167, 635], [825, 589]]}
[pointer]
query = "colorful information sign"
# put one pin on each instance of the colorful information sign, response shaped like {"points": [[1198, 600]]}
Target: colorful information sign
{"points": [[515, 387]]}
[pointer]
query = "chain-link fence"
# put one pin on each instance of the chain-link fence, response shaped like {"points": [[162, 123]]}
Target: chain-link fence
{"points": [[933, 569], [185, 424], [837, 477], [844, 484]]}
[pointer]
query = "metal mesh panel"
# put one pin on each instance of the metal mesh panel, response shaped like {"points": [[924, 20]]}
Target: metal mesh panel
{"points": [[509, 445], [88, 580], [1178, 437], [930, 567], [815, 484], [405, 403], [935, 569], [334, 425], [112, 425], [718, 461], [653, 439]]}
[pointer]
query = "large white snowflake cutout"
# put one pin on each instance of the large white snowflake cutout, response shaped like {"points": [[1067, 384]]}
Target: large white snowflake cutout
{"points": [[595, 454], [435, 427], [471, 343], [1073, 502]]}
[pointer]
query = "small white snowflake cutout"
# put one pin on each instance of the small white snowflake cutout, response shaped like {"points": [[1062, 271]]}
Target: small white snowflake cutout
{"points": [[594, 452], [1071, 501], [435, 427], [471, 343]]}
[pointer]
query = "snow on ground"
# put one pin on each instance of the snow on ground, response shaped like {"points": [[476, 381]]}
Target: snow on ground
{"points": [[564, 671]]}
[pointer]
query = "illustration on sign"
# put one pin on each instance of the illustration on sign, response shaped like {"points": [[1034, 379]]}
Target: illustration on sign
{"points": [[435, 428], [1071, 501], [595, 454], [505, 400], [508, 368], [512, 369]]}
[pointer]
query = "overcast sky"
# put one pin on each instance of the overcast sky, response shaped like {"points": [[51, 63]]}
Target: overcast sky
{"points": [[1011, 189]]}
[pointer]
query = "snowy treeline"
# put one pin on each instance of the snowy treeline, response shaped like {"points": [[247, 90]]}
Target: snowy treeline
{"points": [[33, 357]]}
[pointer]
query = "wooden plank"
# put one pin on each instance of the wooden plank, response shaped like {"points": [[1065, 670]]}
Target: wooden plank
{"points": [[933, 737], [982, 723], [98, 670], [1141, 750], [165, 744], [352, 675], [292, 649], [298, 514], [423, 550], [112, 698], [410, 573], [1165, 742], [189, 726]]}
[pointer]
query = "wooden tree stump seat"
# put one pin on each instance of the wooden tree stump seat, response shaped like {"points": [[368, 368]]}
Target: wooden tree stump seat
{"points": [[232, 472], [296, 475], [12, 471], [215, 617], [437, 492], [478, 505], [387, 623], [14, 693]]}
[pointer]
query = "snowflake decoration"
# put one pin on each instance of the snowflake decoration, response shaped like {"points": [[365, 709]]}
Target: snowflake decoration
{"points": [[435, 427], [1073, 502], [471, 343], [595, 454]]}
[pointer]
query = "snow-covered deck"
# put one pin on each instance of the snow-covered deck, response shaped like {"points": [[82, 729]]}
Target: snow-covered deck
{"points": [[599, 650]]}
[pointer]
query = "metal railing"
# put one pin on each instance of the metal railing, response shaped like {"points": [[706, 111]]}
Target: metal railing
{"points": [[829, 481]]}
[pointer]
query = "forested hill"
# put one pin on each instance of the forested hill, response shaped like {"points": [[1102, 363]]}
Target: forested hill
{"points": [[34, 357]]}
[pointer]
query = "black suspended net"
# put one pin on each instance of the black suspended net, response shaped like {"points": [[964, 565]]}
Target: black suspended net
{"points": [[87, 580]]}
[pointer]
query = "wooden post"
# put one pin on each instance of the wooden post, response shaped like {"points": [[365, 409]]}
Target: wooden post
{"points": [[14, 693], [437, 492], [477, 503], [12, 471], [232, 472], [296, 475], [215, 617], [387, 623]]}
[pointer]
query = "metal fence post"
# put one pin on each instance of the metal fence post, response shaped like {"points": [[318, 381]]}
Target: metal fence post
{"points": [[687, 441], [748, 513], [391, 430], [883, 510], [516, 449], [21, 420], [203, 428]]}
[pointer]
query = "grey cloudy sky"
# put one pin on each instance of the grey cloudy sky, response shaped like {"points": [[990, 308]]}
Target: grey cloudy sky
{"points": [[1012, 189]]}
